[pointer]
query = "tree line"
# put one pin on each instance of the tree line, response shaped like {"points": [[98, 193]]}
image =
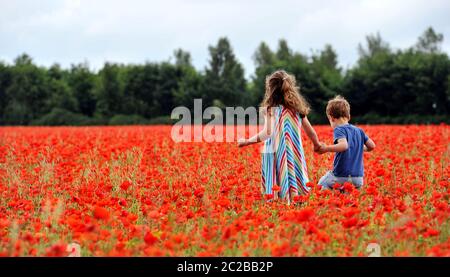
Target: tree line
{"points": [[384, 86]]}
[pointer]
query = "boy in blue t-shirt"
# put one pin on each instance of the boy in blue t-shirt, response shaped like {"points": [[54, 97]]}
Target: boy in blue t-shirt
{"points": [[349, 143]]}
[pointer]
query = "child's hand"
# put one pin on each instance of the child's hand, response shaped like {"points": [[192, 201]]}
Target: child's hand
{"points": [[321, 149], [242, 142], [317, 147]]}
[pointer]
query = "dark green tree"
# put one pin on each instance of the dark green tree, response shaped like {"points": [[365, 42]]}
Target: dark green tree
{"points": [[27, 93], [109, 91], [60, 94], [5, 82], [169, 75], [326, 79], [182, 58], [263, 56], [374, 45], [139, 86], [264, 59], [224, 82], [82, 84], [189, 80], [284, 53], [430, 41]]}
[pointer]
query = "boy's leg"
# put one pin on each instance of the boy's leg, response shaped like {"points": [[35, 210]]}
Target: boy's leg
{"points": [[356, 181], [327, 181]]}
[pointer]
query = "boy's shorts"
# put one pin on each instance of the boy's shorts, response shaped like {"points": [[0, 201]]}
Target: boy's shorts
{"points": [[328, 180]]}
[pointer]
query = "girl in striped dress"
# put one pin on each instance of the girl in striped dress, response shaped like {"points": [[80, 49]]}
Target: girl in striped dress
{"points": [[284, 172]]}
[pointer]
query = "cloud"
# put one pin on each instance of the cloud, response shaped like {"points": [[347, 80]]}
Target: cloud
{"points": [[132, 31]]}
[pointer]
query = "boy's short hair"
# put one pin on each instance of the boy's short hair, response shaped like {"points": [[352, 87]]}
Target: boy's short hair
{"points": [[338, 107]]}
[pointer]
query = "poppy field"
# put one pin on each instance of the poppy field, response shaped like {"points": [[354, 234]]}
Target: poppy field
{"points": [[133, 191]]}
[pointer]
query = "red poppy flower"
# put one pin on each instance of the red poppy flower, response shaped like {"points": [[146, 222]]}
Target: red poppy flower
{"points": [[348, 187], [150, 239], [304, 214], [125, 185], [101, 213], [380, 172], [431, 233], [348, 223]]}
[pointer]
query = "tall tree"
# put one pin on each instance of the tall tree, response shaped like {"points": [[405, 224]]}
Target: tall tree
{"points": [[149, 89], [82, 83], [284, 53], [430, 41], [264, 59], [189, 81], [224, 79], [109, 91], [327, 58], [28, 94], [60, 94], [168, 84], [375, 45], [326, 78], [263, 56], [5, 82], [182, 58]]}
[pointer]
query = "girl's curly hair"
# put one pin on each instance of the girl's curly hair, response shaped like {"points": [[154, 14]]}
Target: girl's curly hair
{"points": [[281, 89]]}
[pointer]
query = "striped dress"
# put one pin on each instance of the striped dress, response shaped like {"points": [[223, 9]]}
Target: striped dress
{"points": [[283, 159]]}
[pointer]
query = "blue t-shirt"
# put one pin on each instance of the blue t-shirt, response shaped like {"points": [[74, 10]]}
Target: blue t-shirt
{"points": [[349, 162]]}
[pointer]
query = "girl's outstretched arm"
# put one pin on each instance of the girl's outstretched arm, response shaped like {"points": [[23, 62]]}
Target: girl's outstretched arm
{"points": [[264, 134], [311, 133]]}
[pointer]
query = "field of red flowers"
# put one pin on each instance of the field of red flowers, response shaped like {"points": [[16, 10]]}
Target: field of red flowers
{"points": [[132, 191]]}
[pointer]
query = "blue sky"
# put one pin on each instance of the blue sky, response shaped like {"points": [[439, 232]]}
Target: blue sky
{"points": [[132, 31]]}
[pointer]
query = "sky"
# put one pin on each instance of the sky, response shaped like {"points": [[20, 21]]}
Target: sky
{"points": [[138, 31]]}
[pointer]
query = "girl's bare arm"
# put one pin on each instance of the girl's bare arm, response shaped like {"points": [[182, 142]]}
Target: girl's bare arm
{"points": [[311, 133], [264, 134]]}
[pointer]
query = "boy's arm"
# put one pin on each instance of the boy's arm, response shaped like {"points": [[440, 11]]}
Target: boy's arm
{"points": [[340, 146], [369, 145]]}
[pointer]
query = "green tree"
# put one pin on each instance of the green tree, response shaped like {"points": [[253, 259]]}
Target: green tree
{"points": [[367, 85], [264, 59], [27, 93], [263, 56], [224, 80], [189, 81], [326, 79], [5, 82], [284, 53], [109, 91], [327, 58], [82, 84], [60, 94], [430, 41], [150, 89], [182, 58], [375, 45], [394, 85], [169, 76], [309, 81], [139, 86]]}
